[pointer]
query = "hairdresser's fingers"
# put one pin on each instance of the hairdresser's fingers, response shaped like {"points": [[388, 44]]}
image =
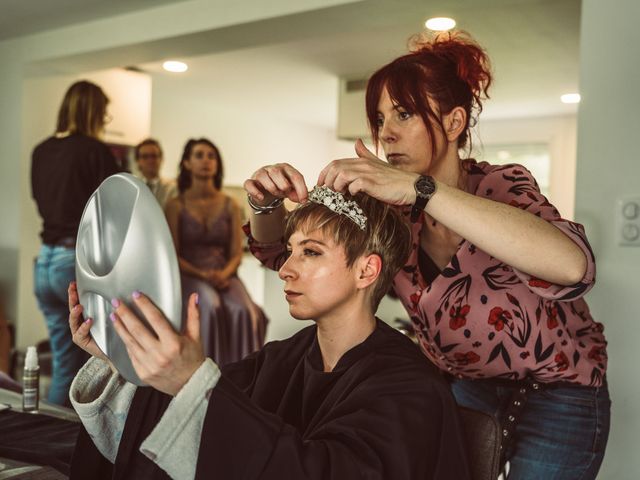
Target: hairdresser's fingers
{"points": [[349, 171], [280, 175], [363, 152], [298, 183], [193, 318], [338, 174], [327, 175], [124, 318], [252, 188], [154, 316], [322, 177], [72, 295], [356, 186], [341, 183], [264, 182]]}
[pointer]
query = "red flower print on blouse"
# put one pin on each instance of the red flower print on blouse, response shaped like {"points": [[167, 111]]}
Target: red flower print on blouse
{"points": [[536, 282], [562, 362], [597, 353], [499, 317], [466, 358], [458, 316], [521, 206], [552, 319]]}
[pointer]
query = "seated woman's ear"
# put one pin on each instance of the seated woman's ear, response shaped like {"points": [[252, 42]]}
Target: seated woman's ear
{"points": [[368, 269]]}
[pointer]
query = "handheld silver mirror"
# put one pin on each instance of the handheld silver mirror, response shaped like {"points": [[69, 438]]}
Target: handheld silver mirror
{"points": [[124, 244]]}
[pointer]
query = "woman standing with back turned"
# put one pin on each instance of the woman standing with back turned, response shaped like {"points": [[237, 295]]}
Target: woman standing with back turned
{"points": [[495, 281], [65, 170]]}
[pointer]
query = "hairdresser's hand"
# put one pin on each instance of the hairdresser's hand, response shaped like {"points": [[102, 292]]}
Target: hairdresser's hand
{"points": [[369, 174], [80, 327], [167, 360], [276, 181]]}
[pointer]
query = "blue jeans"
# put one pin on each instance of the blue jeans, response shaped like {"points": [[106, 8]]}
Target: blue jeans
{"points": [[54, 270], [562, 432]]}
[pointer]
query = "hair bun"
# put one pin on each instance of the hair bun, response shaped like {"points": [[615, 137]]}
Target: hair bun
{"points": [[458, 47]]}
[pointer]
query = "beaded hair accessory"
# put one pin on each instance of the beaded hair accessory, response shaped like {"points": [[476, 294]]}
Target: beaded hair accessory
{"points": [[336, 202]]}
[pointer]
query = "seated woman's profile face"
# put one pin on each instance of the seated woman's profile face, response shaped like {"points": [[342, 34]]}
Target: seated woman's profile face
{"points": [[318, 281]]}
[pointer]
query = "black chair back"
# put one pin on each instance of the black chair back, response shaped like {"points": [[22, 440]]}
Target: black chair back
{"points": [[483, 436]]}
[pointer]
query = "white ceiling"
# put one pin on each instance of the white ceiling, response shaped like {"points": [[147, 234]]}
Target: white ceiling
{"points": [[534, 46], [22, 17]]}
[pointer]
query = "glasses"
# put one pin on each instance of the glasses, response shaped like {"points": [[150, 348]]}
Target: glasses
{"points": [[148, 156]]}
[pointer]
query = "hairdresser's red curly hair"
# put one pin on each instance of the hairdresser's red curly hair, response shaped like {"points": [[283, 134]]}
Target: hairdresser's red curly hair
{"points": [[449, 69]]}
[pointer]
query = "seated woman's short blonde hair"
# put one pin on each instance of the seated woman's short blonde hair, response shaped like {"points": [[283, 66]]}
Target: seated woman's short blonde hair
{"points": [[386, 234]]}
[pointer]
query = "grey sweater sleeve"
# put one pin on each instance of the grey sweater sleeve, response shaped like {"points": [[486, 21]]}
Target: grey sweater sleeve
{"points": [[102, 399], [175, 441]]}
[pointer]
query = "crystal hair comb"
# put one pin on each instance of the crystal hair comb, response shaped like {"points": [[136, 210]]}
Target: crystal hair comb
{"points": [[336, 202]]}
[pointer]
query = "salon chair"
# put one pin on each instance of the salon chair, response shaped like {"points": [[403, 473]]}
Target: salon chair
{"points": [[483, 437]]}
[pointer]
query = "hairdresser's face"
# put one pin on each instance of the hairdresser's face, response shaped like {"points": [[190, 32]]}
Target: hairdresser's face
{"points": [[318, 283], [203, 162], [149, 161], [404, 138]]}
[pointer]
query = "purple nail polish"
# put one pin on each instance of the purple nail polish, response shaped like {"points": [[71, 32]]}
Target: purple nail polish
{"points": [[112, 317], [136, 294], [88, 320], [115, 302], [197, 299]]}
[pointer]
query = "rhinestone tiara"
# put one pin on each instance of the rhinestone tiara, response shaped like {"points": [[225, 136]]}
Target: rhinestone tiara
{"points": [[336, 202]]}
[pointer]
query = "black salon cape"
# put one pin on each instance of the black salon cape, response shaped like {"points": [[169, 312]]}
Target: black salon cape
{"points": [[383, 413]]}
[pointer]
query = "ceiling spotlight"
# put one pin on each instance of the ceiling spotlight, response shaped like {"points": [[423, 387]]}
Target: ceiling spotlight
{"points": [[440, 24], [570, 98], [175, 66], [503, 155]]}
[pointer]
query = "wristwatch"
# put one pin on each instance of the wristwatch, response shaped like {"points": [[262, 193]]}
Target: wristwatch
{"points": [[425, 189], [264, 209]]}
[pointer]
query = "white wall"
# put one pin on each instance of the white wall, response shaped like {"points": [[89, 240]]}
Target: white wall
{"points": [[607, 168], [558, 132], [10, 154], [247, 138]]}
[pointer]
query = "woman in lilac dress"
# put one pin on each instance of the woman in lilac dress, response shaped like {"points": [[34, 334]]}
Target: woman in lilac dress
{"points": [[206, 228]]}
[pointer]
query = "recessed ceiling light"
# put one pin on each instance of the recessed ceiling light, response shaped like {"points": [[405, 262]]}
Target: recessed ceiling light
{"points": [[175, 66], [440, 24], [503, 155], [570, 98]]}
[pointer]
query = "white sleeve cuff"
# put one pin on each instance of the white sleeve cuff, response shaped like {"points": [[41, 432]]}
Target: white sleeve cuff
{"points": [[175, 441], [102, 400]]}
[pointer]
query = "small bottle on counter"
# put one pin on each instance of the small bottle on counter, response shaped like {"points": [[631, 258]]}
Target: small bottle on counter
{"points": [[31, 382]]}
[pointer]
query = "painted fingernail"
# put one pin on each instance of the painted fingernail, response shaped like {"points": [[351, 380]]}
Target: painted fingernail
{"points": [[136, 294], [115, 302], [112, 317], [75, 307], [88, 320], [197, 299]]}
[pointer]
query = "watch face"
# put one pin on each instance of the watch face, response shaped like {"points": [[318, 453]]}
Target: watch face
{"points": [[425, 186]]}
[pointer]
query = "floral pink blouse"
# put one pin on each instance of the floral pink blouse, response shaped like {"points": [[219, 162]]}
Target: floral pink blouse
{"points": [[481, 318]]}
